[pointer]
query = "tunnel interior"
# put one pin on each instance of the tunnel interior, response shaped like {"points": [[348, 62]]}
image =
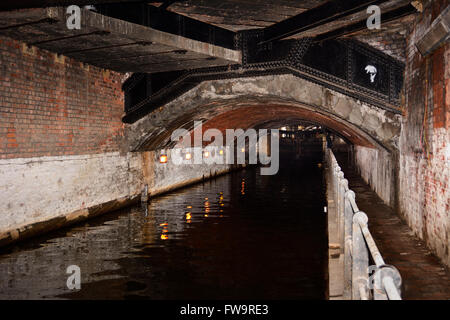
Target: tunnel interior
{"points": [[238, 236], [224, 149], [248, 114]]}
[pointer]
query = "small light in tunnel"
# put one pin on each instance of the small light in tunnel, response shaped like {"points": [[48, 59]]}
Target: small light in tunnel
{"points": [[221, 152], [188, 216], [207, 206], [206, 154], [164, 237], [319, 165], [163, 158], [243, 150], [188, 156]]}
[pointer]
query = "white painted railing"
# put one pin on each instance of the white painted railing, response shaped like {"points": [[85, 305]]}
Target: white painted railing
{"points": [[355, 239]]}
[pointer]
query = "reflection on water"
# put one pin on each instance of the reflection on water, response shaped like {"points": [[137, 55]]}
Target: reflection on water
{"points": [[239, 236]]}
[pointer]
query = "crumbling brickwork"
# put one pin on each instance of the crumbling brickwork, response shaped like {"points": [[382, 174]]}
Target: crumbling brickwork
{"points": [[60, 130], [390, 38], [52, 105], [424, 193]]}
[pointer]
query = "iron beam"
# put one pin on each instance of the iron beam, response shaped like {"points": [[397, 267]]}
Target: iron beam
{"points": [[361, 25], [170, 22], [324, 13], [22, 4]]}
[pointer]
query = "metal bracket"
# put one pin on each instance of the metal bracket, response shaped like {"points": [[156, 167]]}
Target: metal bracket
{"points": [[386, 271]]}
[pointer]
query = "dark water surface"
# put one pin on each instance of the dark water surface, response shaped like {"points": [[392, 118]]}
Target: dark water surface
{"points": [[240, 236]]}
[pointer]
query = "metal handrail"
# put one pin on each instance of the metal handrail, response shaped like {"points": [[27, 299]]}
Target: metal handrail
{"points": [[357, 242]]}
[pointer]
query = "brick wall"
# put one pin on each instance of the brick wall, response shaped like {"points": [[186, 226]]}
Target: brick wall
{"points": [[60, 145], [377, 168], [424, 192], [60, 132], [52, 105], [390, 38]]}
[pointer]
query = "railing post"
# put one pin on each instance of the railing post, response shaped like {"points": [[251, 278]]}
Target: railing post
{"points": [[360, 258], [387, 284], [355, 242], [348, 243], [343, 185], [337, 169], [336, 187], [339, 208]]}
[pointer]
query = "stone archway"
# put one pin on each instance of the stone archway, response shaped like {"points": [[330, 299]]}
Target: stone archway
{"points": [[243, 103]]}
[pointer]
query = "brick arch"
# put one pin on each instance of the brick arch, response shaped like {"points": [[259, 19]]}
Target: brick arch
{"points": [[247, 117], [245, 103]]}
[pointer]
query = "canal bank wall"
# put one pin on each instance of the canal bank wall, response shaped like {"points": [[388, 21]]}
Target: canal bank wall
{"points": [[60, 133], [378, 169], [62, 157], [46, 193], [335, 256]]}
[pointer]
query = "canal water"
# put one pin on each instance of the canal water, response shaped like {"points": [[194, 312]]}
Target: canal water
{"points": [[239, 236]]}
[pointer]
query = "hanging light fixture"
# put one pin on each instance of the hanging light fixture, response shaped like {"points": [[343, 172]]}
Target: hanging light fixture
{"points": [[163, 158]]}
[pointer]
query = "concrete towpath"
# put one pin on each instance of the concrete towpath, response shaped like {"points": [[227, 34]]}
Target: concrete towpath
{"points": [[424, 277]]}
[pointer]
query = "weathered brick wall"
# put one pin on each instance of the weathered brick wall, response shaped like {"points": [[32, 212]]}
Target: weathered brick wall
{"points": [[52, 105], [390, 38], [377, 168], [424, 192], [36, 190], [61, 138], [60, 132]]}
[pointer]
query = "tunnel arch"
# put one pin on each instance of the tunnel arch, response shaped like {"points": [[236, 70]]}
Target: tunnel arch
{"points": [[248, 102], [296, 122]]}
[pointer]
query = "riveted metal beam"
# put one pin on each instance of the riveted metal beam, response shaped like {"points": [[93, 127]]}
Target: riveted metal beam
{"points": [[100, 33], [361, 25], [299, 59], [170, 22], [22, 4], [324, 13]]}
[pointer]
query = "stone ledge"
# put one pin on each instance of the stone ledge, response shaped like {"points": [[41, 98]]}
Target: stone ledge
{"points": [[41, 227]]}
